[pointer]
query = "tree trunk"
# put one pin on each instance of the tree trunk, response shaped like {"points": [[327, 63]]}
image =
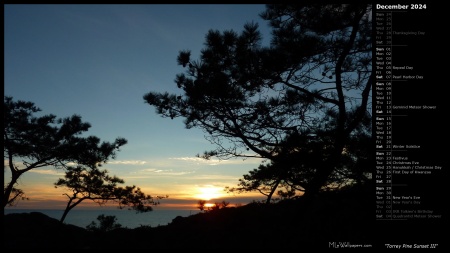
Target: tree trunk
{"points": [[68, 208], [269, 197], [15, 174]]}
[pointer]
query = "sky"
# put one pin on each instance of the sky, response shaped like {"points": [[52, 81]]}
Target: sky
{"points": [[98, 61]]}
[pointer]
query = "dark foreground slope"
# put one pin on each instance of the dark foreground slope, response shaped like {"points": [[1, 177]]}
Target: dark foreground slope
{"points": [[329, 220]]}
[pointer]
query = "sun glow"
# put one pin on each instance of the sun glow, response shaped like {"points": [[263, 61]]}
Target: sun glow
{"points": [[208, 192], [209, 205]]}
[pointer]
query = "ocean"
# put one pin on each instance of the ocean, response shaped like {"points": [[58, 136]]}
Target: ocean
{"points": [[127, 218]]}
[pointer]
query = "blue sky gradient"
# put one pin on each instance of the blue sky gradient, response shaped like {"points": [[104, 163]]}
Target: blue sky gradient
{"points": [[97, 61]]}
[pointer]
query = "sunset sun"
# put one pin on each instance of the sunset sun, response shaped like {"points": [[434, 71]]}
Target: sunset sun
{"points": [[208, 193]]}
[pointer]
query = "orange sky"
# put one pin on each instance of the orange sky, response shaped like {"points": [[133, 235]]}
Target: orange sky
{"points": [[41, 193], [36, 202]]}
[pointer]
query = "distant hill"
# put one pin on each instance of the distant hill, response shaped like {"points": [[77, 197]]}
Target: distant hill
{"points": [[36, 230]]}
